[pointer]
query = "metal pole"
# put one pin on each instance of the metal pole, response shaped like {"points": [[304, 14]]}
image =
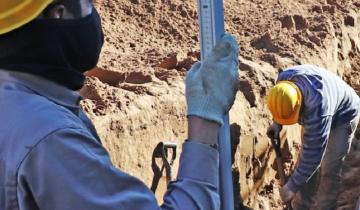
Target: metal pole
{"points": [[226, 181], [211, 22]]}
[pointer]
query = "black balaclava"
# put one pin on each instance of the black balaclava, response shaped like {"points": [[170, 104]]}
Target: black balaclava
{"points": [[58, 50]]}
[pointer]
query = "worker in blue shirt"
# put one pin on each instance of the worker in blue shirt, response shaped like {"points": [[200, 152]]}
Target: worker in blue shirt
{"points": [[328, 110], [50, 155]]}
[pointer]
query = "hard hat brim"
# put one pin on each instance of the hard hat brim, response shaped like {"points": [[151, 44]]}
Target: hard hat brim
{"points": [[22, 15]]}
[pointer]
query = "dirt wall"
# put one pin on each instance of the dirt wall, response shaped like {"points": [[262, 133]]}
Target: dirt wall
{"points": [[136, 96]]}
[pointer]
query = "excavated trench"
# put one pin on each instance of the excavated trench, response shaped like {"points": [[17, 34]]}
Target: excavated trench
{"points": [[136, 96]]}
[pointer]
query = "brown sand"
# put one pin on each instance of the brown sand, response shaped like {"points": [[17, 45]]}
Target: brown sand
{"points": [[136, 96]]}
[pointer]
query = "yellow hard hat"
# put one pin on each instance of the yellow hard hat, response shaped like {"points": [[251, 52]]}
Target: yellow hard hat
{"points": [[284, 101], [16, 13]]}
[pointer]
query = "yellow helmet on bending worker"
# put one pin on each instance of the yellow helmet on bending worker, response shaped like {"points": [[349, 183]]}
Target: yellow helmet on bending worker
{"points": [[16, 13], [284, 102]]}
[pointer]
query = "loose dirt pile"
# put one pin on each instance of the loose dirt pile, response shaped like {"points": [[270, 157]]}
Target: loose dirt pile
{"points": [[136, 96]]}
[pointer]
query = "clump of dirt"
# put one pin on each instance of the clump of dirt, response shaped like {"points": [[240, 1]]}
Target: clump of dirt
{"points": [[136, 96]]}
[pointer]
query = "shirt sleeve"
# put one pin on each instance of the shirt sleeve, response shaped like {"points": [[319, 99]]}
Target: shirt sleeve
{"points": [[316, 134], [316, 119], [70, 170]]}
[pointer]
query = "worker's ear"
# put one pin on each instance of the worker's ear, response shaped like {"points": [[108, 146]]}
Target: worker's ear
{"points": [[56, 12]]}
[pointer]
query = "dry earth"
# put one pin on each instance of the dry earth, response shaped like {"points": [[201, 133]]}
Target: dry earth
{"points": [[136, 96]]}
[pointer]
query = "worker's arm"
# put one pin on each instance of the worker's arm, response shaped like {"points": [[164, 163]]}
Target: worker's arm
{"points": [[203, 131], [69, 169], [197, 181], [316, 120], [315, 138], [211, 87]]}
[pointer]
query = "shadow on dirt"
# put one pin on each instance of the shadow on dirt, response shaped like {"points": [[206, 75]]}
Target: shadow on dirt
{"points": [[235, 131]]}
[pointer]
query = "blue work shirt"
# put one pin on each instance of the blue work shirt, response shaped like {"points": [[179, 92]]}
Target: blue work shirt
{"points": [[51, 158], [327, 102]]}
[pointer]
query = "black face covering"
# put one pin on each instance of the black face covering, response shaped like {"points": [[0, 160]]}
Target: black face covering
{"points": [[58, 50]]}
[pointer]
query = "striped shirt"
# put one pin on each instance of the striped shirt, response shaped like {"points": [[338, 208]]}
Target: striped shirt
{"points": [[327, 102]]}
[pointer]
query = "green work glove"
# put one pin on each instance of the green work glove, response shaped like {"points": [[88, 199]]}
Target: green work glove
{"points": [[211, 85]]}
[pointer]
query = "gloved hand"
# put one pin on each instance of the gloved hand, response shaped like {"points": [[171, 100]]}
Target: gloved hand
{"points": [[273, 132], [286, 194], [211, 85]]}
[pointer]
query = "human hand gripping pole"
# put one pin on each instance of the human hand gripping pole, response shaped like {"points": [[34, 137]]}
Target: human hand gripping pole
{"points": [[211, 85], [212, 28]]}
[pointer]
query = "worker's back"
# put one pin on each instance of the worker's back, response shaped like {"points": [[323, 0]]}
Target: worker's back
{"points": [[324, 93], [26, 119], [327, 103]]}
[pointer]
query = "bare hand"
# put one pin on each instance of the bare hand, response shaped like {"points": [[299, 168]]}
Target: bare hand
{"points": [[286, 194]]}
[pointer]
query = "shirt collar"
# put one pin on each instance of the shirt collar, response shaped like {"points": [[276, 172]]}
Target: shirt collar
{"points": [[46, 88]]}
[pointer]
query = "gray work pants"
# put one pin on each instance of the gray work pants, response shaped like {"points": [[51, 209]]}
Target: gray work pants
{"points": [[321, 191]]}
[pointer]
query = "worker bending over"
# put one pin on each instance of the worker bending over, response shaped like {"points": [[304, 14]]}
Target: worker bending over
{"points": [[50, 155], [328, 110]]}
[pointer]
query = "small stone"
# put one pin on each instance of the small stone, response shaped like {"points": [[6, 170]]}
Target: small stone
{"points": [[135, 1], [349, 21], [317, 8], [169, 63], [300, 22], [287, 22], [183, 13], [329, 8]]}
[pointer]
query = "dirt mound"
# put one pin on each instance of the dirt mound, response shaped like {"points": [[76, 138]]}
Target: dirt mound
{"points": [[136, 96]]}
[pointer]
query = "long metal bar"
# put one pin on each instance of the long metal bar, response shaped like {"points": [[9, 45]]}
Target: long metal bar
{"points": [[226, 179], [211, 22]]}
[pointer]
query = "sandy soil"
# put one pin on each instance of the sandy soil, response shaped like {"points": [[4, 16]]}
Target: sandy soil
{"points": [[136, 96]]}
